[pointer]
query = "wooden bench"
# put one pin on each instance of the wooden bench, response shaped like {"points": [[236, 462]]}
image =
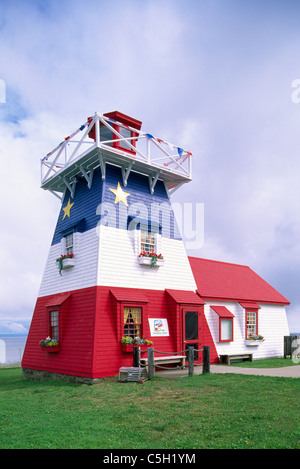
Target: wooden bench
{"points": [[227, 358], [168, 360]]}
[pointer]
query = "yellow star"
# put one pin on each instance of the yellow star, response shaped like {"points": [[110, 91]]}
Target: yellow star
{"points": [[67, 209], [120, 195]]}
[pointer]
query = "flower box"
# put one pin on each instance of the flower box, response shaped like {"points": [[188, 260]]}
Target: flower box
{"points": [[68, 262], [148, 261], [51, 348], [65, 261], [253, 343], [129, 347]]}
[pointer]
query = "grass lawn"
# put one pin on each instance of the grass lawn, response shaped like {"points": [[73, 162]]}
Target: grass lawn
{"points": [[204, 411], [267, 363]]}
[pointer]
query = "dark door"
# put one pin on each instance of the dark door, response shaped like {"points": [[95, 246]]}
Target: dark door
{"points": [[192, 331]]}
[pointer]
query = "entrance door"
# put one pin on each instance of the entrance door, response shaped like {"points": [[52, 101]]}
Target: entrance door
{"points": [[192, 332]]}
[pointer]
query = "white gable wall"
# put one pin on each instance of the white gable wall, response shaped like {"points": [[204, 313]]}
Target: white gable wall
{"points": [[272, 325]]}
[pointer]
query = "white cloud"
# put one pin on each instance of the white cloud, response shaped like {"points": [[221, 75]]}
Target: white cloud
{"points": [[197, 77]]}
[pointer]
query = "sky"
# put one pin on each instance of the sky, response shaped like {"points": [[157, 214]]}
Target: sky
{"points": [[220, 78]]}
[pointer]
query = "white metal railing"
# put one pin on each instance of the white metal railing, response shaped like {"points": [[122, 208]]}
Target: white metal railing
{"points": [[148, 149]]}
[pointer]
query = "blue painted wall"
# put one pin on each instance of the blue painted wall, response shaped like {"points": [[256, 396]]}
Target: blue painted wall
{"points": [[97, 205]]}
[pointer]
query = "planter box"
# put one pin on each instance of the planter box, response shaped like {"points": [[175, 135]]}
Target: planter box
{"points": [[129, 347], [68, 262], [51, 349], [253, 343], [147, 261]]}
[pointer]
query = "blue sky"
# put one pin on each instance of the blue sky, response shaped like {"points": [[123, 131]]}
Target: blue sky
{"points": [[212, 76]]}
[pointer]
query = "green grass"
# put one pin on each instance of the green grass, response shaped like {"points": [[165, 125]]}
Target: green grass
{"points": [[267, 363], [204, 411]]}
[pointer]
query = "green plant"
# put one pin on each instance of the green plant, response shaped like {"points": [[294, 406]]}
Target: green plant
{"points": [[48, 342], [255, 337], [61, 259], [154, 257], [136, 341]]}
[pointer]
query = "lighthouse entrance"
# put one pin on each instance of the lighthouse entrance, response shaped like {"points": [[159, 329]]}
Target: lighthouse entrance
{"points": [[192, 331]]}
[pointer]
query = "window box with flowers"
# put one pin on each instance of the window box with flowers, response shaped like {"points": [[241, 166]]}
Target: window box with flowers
{"points": [[49, 345], [65, 261], [127, 344], [254, 340], [150, 258]]}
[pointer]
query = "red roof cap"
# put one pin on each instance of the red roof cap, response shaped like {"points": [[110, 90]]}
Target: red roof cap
{"points": [[124, 119], [236, 282]]}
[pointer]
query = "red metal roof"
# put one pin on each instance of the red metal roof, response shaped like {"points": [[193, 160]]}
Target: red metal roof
{"points": [[129, 294], [223, 311], [222, 280], [185, 297]]}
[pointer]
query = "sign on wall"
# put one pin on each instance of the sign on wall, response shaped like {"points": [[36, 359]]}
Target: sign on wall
{"points": [[158, 327]]}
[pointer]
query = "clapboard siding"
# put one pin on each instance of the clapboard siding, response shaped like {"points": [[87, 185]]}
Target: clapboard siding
{"points": [[83, 213], [77, 316], [119, 265], [272, 325], [82, 275]]}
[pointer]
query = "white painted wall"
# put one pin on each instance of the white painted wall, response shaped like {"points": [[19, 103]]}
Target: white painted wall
{"points": [[117, 251], [272, 325], [82, 275]]}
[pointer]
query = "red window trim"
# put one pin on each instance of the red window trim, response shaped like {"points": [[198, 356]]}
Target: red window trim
{"points": [[130, 305], [251, 310], [230, 318], [120, 312], [54, 310]]}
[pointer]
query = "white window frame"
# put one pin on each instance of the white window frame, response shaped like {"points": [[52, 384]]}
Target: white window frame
{"points": [[157, 237], [63, 243]]}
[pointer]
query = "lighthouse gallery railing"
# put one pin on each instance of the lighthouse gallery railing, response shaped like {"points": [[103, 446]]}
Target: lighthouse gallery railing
{"points": [[151, 150]]}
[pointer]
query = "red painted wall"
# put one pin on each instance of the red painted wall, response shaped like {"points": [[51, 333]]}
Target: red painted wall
{"points": [[91, 330]]}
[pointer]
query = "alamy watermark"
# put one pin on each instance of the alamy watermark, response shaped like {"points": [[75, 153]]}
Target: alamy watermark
{"points": [[295, 96], [2, 91], [296, 350], [186, 224]]}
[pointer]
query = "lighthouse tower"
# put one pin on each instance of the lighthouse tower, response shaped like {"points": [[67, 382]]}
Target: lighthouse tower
{"points": [[117, 267]]}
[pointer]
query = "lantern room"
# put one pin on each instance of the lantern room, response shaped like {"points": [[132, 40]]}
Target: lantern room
{"points": [[118, 132]]}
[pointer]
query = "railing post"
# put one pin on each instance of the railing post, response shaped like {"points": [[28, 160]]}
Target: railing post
{"points": [[206, 359], [191, 361], [97, 129], [151, 368], [136, 356]]}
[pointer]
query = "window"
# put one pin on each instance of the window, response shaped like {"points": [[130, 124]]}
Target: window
{"points": [[106, 135], [132, 322], [54, 325], [69, 243], [148, 241], [251, 323], [225, 323], [226, 329], [126, 133]]}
